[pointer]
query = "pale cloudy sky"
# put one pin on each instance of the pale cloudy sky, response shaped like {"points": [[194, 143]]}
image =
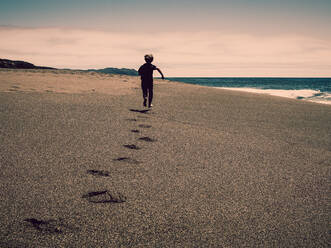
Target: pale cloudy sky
{"points": [[187, 37]]}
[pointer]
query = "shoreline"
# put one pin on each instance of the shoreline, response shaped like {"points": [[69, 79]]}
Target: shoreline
{"points": [[301, 95], [304, 94]]}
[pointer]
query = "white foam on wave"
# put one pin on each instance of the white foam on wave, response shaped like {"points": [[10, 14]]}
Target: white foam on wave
{"points": [[308, 95]]}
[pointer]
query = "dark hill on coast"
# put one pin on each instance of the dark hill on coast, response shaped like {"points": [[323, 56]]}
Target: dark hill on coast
{"points": [[17, 64], [111, 70]]}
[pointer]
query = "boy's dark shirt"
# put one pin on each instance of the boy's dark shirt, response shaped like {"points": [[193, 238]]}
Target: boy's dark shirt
{"points": [[146, 72]]}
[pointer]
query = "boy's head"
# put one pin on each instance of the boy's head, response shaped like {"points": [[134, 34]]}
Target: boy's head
{"points": [[149, 58]]}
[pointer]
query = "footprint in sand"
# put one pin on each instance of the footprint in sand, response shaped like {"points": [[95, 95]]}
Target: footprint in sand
{"points": [[14, 88], [133, 147], [127, 160], [135, 131], [145, 126], [148, 139], [98, 173], [104, 196], [50, 226], [131, 119]]}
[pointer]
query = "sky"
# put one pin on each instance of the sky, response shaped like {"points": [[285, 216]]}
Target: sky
{"points": [[201, 38]]}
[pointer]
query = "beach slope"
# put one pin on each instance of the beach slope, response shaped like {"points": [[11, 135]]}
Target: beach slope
{"points": [[83, 164]]}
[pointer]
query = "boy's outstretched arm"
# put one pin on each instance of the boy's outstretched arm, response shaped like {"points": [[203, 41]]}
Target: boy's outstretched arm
{"points": [[160, 72]]}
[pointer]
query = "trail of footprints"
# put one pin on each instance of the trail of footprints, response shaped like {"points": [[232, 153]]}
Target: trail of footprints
{"points": [[104, 196]]}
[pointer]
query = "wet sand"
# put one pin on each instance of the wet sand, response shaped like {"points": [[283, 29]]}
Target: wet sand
{"points": [[204, 168]]}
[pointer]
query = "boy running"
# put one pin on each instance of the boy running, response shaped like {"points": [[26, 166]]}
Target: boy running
{"points": [[146, 73]]}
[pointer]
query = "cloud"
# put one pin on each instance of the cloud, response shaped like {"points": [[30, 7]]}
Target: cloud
{"points": [[177, 53]]}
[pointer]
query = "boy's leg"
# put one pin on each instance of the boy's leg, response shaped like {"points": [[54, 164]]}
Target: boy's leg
{"points": [[144, 89], [150, 95]]}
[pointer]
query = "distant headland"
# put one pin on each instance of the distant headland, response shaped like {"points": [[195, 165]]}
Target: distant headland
{"points": [[18, 64], [111, 70]]}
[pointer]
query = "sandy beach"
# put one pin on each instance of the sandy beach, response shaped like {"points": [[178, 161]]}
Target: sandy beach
{"points": [[83, 164]]}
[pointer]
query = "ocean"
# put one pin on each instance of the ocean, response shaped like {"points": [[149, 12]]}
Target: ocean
{"points": [[304, 89]]}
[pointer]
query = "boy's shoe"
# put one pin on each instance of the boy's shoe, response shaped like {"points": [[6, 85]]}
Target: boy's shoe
{"points": [[150, 105], [145, 102]]}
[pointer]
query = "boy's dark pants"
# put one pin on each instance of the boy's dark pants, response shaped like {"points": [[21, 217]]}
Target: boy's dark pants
{"points": [[147, 87]]}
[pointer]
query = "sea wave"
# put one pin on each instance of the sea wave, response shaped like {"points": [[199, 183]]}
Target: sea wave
{"points": [[303, 94]]}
